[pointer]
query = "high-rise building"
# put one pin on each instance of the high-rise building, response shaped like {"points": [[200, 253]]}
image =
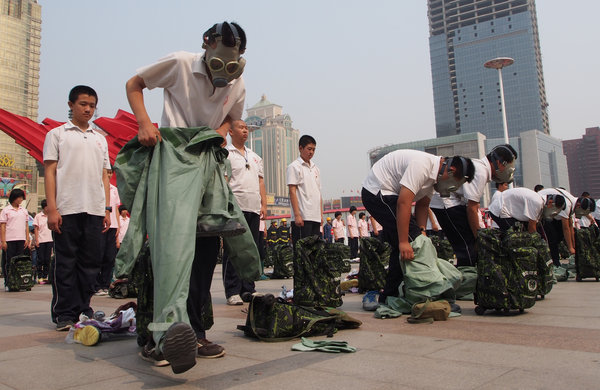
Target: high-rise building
{"points": [[583, 158], [20, 34], [273, 138], [463, 35]]}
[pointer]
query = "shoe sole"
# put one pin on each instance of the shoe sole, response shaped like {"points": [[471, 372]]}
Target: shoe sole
{"points": [[180, 347], [63, 328], [157, 363]]}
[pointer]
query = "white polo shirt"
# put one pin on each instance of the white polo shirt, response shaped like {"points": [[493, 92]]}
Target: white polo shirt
{"points": [[412, 169], [307, 177], [244, 180], [16, 220], [81, 157], [338, 228], [519, 203], [41, 221], [114, 202], [570, 201], [596, 213], [363, 228], [468, 191], [352, 225], [190, 100]]}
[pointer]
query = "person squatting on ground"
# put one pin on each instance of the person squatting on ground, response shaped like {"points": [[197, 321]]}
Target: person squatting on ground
{"points": [[248, 186], [14, 229], [561, 225], [77, 191], [524, 206], [43, 242], [339, 234], [201, 91], [458, 214], [109, 242], [352, 232], [394, 182]]}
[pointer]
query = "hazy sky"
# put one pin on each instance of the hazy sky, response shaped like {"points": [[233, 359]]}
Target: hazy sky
{"points": [[354, 76]]}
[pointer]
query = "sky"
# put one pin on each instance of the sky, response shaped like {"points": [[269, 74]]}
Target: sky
{"points": [[353, 74]]}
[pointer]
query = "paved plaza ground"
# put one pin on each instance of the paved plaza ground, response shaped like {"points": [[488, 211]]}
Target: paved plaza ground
{"points": [[554, 345]]}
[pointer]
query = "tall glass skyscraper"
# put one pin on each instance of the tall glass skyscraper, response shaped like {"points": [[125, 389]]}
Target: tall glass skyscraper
{"points": [[463, 35]]}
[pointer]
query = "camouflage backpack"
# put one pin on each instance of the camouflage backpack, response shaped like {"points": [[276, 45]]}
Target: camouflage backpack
{"points": [[374, 257], [442, 246], [19, 273], [337, 253], [316, 281], [283, 261], [271, 319], [587, 253], [143, 279], [122, 288]]}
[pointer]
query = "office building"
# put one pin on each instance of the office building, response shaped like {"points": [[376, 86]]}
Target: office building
{"points": [[20, 34], [274, 139], [583, 158]]}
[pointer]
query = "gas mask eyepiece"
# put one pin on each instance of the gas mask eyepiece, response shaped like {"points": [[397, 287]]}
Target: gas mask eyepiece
{"points": [[223, 62]]}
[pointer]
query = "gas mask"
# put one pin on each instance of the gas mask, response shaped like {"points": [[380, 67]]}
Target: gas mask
{"points": [[507, 175], [223, 62], [550, 209], [446, 186], [583, 207]]}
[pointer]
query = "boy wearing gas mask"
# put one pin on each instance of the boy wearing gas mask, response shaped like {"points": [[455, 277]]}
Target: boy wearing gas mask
{"points": [[200, 89], [396, 181], [458, 214], [560, 226], [525, 206]]}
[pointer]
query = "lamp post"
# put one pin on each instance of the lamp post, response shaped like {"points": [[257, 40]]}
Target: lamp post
{"points": [[499, 63]]}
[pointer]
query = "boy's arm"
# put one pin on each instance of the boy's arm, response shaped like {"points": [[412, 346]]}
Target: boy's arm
{"points": [[567, 228], [27, 239], [295, 206], [532, 226], [263, 197], [403, 208], [148, 134], [422, 213], [106, 182], [473, 216], [54, 217], [3, 235], [36, 231]]}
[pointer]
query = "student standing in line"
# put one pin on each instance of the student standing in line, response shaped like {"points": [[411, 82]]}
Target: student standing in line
{"points": [[14, 229]]}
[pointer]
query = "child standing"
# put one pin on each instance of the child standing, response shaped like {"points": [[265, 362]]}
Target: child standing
{"points": [[14, 229], [43, 242]]}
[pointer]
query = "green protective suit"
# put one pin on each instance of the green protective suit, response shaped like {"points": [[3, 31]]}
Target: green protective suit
{"points": [[169, 189]]}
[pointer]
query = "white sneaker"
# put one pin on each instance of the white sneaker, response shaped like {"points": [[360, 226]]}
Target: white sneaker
{"points": [[234, 300]]}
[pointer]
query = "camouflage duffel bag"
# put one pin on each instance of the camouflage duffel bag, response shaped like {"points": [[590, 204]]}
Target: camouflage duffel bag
{"points": [[283, 261], [443, 247], [122, 288], [273, 319], [338, 254], [587, 256], [19, 273], [143, 279], [374, 257]]}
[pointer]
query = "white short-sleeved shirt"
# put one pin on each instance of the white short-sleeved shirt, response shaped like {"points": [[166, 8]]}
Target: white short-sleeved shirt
{"points": [[596, 213], [190, 100], [81, 157], [468, 191], [16, 220], [570, 201], [352, 225], [244, 181], [41, 221], [363, 228], [307, 177], [519, 203], [338, 228], [412, 169], [123, 229], [115, 201]]}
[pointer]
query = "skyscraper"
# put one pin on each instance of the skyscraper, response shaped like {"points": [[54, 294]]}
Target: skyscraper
{"points": [[463, 35], [273, 138], [583, 157], [20, 34]]}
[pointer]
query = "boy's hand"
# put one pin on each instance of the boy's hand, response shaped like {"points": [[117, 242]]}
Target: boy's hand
{"points": [[54, 221], [406, 251], [106, 222], [4, 245], [148, 134], [299, 221]]}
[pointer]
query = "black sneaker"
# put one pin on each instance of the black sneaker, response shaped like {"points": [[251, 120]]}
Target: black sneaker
{"points": [[209, 350], [150, 354], [179, 347], [62, 326]]}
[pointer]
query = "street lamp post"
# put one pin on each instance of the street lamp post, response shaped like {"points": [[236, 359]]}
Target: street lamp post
{"points": [[499, 63]]}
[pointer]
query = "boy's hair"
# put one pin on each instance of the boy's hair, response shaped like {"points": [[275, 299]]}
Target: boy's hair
{"points": [[585, 194], [81, 90], [587, 204], [504, 153], [361, 215], [306, 140], [338, 213], [463, 164], [228, 37], [44, 203], [121, 208], [538, 187], [14, 194], [352, 208], [499, 184]]}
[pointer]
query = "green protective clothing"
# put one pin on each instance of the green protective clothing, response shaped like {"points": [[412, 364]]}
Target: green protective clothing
{"points": [[169, 190]]}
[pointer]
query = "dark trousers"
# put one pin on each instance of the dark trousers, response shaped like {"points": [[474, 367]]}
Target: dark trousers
{"points": [[353, 244], [340, 240], [455, 224], [13, 248], [310, 228], [44, 252], [77, 263], [109, 253], [554, 235], [504, 223], [383, 209], [231, 281], [199, 301]]}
